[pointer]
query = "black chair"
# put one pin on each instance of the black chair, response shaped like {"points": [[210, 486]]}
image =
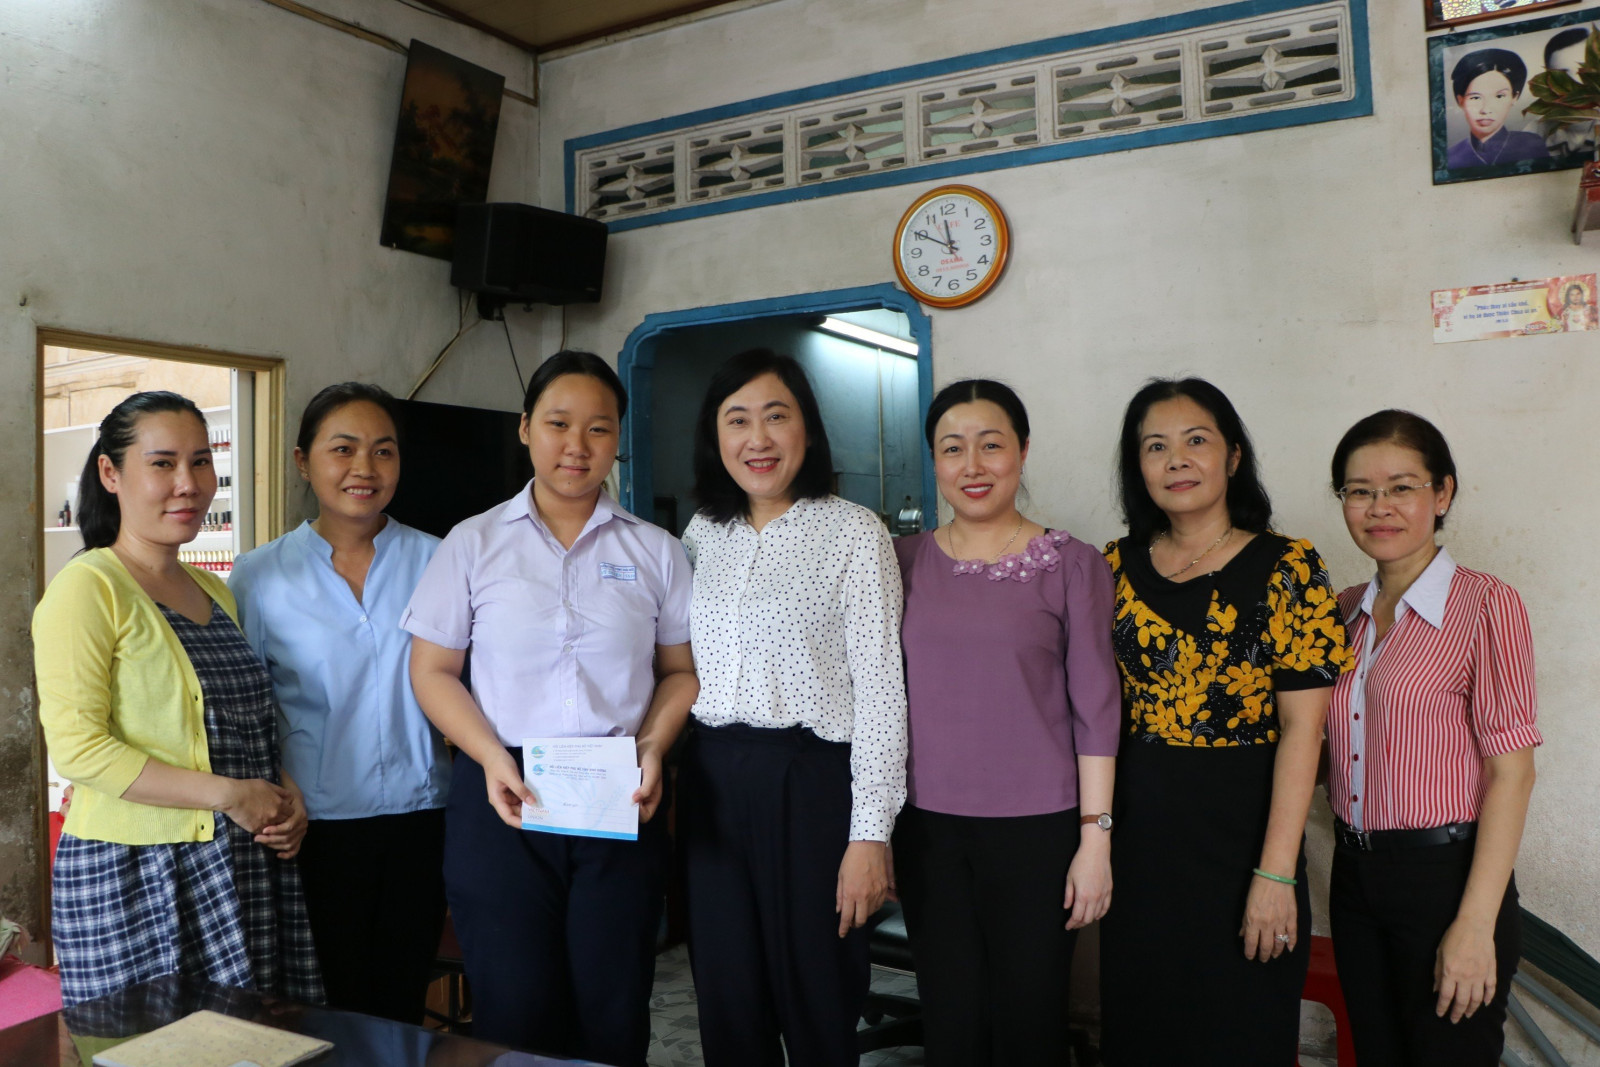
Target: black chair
{"points": [[891, 1020], [894, 1021], [448, 964]]}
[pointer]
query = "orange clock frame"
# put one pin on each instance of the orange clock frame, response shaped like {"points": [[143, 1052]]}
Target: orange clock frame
{"points": [[1001, 255]]}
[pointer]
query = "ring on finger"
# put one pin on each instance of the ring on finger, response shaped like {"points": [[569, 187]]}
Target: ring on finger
{"points": [[1283, 939]]}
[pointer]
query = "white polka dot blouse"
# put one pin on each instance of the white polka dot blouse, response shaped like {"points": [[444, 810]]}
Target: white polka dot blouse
{"points": [[800, 625]]}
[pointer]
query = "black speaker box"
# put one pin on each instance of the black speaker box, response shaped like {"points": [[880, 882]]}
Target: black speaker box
{"points": [[528, 255]]}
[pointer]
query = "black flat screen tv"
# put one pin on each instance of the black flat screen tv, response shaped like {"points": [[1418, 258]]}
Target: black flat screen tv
{"points": [[456, 462]]}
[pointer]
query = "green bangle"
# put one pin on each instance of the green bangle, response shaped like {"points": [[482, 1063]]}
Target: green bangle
{"points": [[1273, 877]]}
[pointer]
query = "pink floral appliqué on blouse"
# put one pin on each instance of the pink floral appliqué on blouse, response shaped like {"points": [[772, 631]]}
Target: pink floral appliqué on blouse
{"points": [[1039, 556]]}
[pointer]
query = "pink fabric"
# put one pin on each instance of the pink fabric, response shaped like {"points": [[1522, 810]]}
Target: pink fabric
{"points": [[57, 821], [26, 992]]}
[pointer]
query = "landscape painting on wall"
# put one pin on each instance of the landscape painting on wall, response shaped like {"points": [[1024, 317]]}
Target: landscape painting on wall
{"points": [[443, 148], [1442, 13]]}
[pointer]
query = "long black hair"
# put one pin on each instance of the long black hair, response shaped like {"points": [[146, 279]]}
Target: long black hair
{"points": [[1408, 430], [719, 496], [99, 514], [1249, 507], [969, 390], [332, 398]]}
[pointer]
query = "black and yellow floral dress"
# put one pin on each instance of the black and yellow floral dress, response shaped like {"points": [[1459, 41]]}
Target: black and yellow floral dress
{"points": [[1200, 663]]}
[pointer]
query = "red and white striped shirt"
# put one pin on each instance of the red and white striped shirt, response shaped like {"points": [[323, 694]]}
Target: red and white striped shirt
{"points": [[1450, 685]]}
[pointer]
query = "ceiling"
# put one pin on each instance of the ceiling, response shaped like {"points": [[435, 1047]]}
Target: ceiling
{"points": [[545, 25]]}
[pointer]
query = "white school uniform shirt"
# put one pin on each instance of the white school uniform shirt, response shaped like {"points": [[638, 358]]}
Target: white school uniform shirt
{"points": [[562, 640], [799, 625]]}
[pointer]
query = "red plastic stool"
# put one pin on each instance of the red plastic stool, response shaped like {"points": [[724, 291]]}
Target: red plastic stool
{"points": [[1322, 987]]}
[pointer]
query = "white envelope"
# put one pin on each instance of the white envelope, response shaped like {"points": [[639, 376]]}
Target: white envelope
{"points": [[585, 786]]}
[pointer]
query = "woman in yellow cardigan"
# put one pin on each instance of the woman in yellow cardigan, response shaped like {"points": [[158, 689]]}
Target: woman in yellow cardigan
{"points": [[176, 856]]}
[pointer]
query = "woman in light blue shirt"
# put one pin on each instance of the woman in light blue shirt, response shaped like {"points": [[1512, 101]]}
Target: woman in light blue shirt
{"points": [[321, 605]]}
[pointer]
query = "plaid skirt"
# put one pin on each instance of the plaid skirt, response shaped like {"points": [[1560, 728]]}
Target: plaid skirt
{"points": [[227, 910]]}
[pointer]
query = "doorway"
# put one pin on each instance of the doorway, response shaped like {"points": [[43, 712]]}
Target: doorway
{"points": [[867, 353], [83, 376]]}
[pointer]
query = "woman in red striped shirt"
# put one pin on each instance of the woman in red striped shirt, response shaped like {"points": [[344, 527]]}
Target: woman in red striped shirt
{"points": [[1431, 740]]}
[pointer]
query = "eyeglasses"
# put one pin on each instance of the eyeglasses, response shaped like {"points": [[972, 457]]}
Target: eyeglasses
{"points": [[1364, 497]]}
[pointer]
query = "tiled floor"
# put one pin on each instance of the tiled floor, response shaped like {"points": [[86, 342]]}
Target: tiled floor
{"points": [[676, 1041]]}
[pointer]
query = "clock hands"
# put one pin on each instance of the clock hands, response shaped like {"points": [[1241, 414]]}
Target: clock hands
{"points": [[950, 246], [948, 240]]}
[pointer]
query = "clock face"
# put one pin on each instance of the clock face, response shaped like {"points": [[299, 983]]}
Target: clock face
{"points": [[951, 246]]}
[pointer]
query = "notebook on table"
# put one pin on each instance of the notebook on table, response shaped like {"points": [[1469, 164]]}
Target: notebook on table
{"points": [[209, 1039]]}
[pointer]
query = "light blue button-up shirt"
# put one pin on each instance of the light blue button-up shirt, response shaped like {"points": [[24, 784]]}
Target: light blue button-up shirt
{"points": [[354, 738]]}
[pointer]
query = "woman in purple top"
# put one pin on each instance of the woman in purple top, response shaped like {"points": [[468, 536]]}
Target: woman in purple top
{"points": [[1014, 712]]}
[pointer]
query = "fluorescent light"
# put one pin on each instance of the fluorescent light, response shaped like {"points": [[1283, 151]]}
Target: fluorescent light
{"points": [[866, 336]]}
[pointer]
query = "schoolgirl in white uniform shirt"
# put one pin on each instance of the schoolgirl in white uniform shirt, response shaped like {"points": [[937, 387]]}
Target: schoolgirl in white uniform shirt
{"points": [[577, 617]]}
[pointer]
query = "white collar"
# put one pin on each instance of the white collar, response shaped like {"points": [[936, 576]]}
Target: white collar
{"points": [[1427, 594], [605, 509]]}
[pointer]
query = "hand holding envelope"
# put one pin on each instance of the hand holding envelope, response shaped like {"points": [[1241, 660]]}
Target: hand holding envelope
{"points": [[582, 786]]}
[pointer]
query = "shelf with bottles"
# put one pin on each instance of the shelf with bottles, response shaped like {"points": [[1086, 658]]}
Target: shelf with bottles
{"points": [[217, 521], [217, 560]]}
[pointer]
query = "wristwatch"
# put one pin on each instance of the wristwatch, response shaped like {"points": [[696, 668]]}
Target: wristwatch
{"points": [[1103, 820]]}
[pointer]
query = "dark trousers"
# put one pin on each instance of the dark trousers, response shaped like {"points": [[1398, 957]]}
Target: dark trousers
{"points": [[765, 818], [983, 906], [375, 895], [558, 933], [1389, 911]]}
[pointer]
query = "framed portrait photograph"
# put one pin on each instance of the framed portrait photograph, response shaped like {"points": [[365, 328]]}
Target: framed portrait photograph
{"points": [[1442, 14], [1479, 86]]}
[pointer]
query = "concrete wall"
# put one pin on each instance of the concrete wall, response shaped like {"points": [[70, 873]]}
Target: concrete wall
{"points": [[211, 173], [1292, 267]]}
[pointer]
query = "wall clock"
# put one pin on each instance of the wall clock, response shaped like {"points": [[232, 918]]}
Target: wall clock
{"points": [[951, 246]]}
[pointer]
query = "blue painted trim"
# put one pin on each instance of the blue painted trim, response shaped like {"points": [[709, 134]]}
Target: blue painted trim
{"points": [[935, 68], [1304, 116], [1357, 106], [636, 367]]}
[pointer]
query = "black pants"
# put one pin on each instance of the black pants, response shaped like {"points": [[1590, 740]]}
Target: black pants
{"points": [[375, 895], [1389, 911], [765, 821], [558, 933], [983, 905]]}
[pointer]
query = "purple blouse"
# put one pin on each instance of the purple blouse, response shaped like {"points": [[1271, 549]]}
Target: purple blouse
{"points": [[1009, 675]]}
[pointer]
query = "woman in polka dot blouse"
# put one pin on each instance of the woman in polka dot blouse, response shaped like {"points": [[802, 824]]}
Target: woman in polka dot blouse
{"points": [[795, 770]]}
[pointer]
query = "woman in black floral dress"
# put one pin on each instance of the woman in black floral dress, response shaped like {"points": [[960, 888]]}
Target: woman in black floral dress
{"points": [[1229, 640]]}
